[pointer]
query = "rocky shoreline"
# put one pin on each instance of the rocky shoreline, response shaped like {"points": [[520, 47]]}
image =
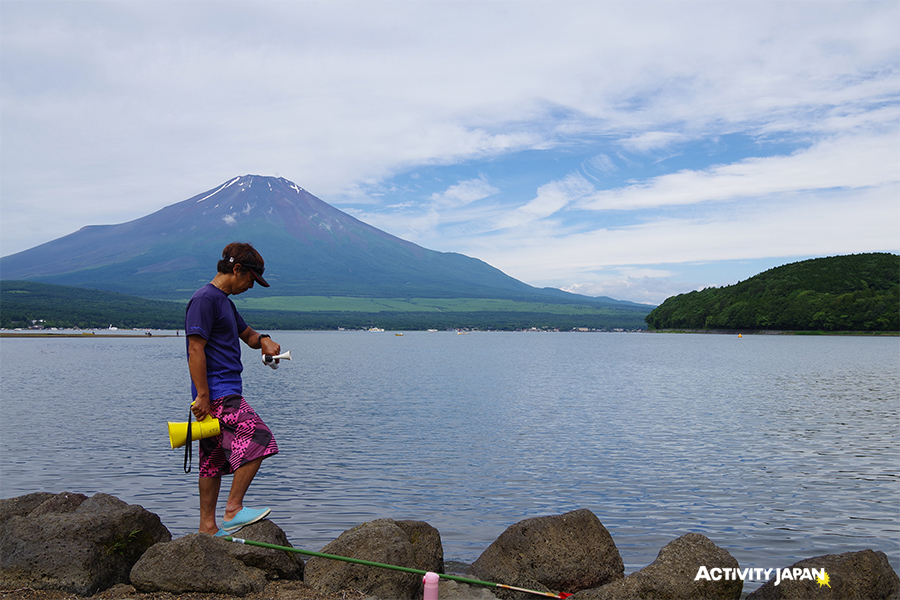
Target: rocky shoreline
{"points": [[68, 546]]}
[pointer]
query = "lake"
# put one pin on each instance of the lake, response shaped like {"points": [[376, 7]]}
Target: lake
{"points": [[777, 448]]}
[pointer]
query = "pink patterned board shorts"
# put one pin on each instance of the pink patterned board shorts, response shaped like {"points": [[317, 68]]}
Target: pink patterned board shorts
{"points": [[244, 438]]}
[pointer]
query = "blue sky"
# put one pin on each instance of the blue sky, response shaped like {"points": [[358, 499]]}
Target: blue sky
{"points": [[629, 149]]}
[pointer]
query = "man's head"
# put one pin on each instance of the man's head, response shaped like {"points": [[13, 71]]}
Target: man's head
{"points": [[246, 258]]}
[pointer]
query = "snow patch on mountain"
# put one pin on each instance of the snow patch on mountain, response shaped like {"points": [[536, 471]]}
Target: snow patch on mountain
{"points": [[218, 190]]}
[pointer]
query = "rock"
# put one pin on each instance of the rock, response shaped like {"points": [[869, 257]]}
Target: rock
{"points": [[60, 503], [672, 575], [384, 541], [568, 553], [22, 505], [426, 543], [275, 564], [865, 574], [198, 562], [73, 543], [116, 592], [456, 590], [204, 563]]}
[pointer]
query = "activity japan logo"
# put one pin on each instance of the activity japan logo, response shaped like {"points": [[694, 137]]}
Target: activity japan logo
{"points": [[757, 574]]}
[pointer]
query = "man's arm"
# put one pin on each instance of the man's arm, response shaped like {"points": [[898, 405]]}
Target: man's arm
{"points": [[266, 344], [197, 368]]}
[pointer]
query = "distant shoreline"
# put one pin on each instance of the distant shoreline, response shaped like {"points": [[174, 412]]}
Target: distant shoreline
{"points": [[774, 332], [111, 335], [91, 335]]}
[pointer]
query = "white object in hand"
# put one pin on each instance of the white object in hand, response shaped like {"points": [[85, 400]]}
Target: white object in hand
{"points": [[271, 361]]}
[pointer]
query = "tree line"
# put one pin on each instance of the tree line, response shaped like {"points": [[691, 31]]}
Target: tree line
{"points": [[24, 304], [27, 303], [859, 292]]}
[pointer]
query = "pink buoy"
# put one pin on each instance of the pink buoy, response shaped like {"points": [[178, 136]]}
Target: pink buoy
{"points": [[431, 580]]}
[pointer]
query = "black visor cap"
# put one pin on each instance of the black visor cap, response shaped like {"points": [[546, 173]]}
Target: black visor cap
{"points": [[257, 273]]}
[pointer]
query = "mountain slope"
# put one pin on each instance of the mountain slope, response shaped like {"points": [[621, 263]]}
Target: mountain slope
{"points": [[27, 303], [860, 292], [310, 248]]}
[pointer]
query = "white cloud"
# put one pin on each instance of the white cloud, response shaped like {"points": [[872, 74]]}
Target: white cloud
{"points": [[802, 224], [638, 284], [551, 198], [645, 290], [651, 140], [844, 162], [111, 110], [602, 163], [463, 193]]}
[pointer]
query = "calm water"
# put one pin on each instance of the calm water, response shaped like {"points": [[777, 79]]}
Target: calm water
{"points": [[777, 448]]}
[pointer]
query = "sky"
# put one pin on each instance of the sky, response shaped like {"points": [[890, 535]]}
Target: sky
{"points": [[625, 148]]}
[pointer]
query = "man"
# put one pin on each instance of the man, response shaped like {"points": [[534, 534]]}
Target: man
{"points": [[214, 330]]}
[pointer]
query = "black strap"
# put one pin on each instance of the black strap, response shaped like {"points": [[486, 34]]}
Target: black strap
{"points": [[188, 445]]}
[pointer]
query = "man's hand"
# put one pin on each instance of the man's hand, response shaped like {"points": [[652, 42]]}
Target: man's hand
{"points": [[200, 408], [268, 346]]}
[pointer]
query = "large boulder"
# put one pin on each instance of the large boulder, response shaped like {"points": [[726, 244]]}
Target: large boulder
{"points": [[203, 563], [73, 543], [20, 506], [426, 544], [275, 564], [198, 562], [409, 544], [865, 574], [568, 552], [672, 575]]}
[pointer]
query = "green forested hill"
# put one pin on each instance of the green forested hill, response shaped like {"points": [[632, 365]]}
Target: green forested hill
{"points": [[22, 302], [860, 292]]}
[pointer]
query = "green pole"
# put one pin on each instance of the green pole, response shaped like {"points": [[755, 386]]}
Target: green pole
{"points": [[369, 563]]}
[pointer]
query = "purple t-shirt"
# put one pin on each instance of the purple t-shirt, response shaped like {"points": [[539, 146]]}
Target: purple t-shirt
{"points": [[212, 315]]}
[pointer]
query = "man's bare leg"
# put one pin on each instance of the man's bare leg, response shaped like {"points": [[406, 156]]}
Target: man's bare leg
{"points": [[209, 496], [243, 477]]}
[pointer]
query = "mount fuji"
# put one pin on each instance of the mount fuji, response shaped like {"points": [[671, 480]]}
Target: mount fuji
{"points": [[310, 249]]}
